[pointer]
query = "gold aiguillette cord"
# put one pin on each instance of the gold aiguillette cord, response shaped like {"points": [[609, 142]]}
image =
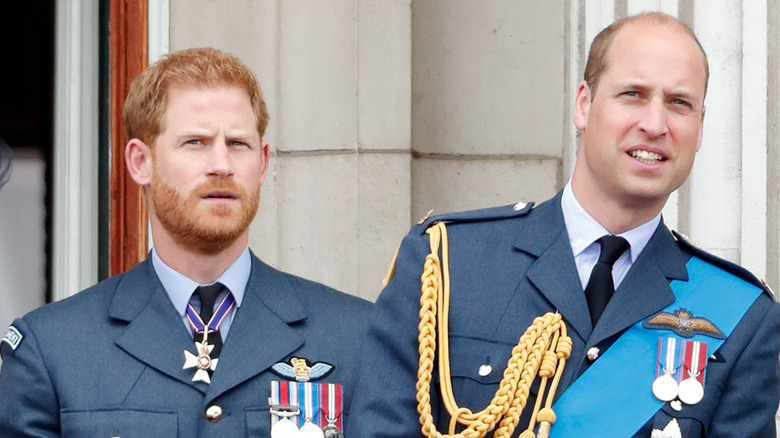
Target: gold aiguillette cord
{"points": [[542, 350]]}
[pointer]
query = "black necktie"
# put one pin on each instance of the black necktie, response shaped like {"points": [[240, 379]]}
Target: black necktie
{"points": [[208, 296], [600, 286]]}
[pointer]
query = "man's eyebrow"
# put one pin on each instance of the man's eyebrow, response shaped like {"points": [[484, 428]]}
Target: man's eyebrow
{"points": [[682, 93], [239, 134], [631, 85], [195, 132]]}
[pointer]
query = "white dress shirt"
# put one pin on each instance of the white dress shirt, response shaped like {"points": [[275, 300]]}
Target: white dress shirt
{"points": [[584, 231], [180, 287]]}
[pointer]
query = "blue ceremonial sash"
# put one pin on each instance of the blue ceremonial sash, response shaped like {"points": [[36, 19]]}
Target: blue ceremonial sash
{"points": [[597, 403]]}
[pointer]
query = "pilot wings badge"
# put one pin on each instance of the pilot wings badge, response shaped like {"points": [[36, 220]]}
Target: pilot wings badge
{"points": [[683, 323], [299, 370]]}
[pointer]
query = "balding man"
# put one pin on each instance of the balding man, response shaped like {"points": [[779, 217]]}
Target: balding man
{"points": [[660, 338]]}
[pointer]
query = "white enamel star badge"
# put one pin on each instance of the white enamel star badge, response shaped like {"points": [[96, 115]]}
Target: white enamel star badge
{"points": [[203, 362], [672, 430]]}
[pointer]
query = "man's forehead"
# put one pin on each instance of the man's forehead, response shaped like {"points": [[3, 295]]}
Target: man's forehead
{"points": [[634, 37], [635, 33]]}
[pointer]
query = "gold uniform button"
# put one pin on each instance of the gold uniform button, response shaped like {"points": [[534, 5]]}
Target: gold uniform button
{"points": [[593, 353], [214, 413]]}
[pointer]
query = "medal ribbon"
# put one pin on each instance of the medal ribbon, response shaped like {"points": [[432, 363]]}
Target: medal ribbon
{"points": [[580, 410], [695, 360], [314, 397], [276, 399], [285, 393], [331, 397], [310, 408], [225, 306], [668, 354]]}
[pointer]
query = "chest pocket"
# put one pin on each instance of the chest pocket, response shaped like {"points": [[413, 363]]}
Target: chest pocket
{"points": [[258, 422], [124, 423], [477, 367]]}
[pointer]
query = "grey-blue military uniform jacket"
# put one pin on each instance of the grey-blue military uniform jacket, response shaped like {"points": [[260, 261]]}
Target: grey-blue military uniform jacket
{"points": [[509, 266], [108, 361]]}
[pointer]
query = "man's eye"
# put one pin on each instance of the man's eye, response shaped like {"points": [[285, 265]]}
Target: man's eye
{"points": [[194, 141], [240, 143]]}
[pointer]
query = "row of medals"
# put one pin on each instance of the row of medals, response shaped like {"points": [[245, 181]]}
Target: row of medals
{"points": [[285, 428], [690, 391]]}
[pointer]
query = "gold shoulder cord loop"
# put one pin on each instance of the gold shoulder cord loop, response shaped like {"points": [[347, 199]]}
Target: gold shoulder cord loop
{"points": [[542, 350]]}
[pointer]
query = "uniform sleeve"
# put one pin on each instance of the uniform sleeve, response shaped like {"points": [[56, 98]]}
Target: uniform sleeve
{"points": [[28, 402], [751, 393], [385, 404]]}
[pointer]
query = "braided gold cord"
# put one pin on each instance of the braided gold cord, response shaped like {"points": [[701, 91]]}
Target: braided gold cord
{"points": [[542, 350]]}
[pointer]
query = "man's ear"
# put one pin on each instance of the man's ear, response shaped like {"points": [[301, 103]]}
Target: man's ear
{"points": [[582, 106], [266, 154], [138, 157]]}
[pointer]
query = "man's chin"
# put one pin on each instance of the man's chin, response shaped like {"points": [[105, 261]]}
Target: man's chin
{"points": [[208, 242]]}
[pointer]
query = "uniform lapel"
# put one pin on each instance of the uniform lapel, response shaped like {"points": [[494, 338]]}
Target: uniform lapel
{"points": [[155, 333], [260, 335], [645, 290], [554, 273]]}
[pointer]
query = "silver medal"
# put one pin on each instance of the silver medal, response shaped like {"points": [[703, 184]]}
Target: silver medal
{"points": [[332, 431], [310, 430], [691, 391], [665, 388], [284, 428]]}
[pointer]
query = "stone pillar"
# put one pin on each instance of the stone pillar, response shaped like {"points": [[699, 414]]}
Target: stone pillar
{"points": [[488, 107]]}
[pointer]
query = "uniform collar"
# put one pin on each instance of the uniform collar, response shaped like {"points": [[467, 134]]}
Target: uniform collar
{"points": [[584, 230], [179, 287]]}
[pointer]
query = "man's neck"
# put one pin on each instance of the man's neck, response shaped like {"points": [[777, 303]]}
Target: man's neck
{"points": [[616, 216], [203, 268]]}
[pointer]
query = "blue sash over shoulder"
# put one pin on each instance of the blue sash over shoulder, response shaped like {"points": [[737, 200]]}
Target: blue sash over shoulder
{"points": [[605, 389]]}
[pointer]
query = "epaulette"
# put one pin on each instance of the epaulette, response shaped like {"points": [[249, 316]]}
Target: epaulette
{"points": [[724, 264], [507, 211], [485, 214]]}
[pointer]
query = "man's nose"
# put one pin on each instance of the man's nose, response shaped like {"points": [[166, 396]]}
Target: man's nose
{"points": [[220, 161], [653, 121]]}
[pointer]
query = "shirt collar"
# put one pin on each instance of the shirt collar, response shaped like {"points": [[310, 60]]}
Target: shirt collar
{"points": [[180, 287], [584, 230]]}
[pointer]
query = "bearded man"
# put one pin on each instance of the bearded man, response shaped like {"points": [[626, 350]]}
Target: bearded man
{"points": [[191, 341]]}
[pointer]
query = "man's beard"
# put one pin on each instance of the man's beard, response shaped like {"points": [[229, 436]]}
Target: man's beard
{"points": [[204, 229]]}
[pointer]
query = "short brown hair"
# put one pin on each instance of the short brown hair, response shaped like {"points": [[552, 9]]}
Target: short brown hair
{"points": [[599, 49], [147, 100]]}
